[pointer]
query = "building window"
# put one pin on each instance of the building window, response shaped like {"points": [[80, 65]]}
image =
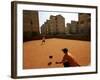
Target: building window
{"points": [[81, 22], [89, 20]]}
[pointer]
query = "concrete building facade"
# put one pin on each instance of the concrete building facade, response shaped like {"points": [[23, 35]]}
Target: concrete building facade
{"points": [[60, 24], [72, 28], [68, 28], [55, 25], [30, 23], [43, 29], [82, 26], [84, 23]]}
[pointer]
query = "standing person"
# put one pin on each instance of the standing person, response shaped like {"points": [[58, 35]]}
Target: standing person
{"points": [[43, 40], [68, 60]]}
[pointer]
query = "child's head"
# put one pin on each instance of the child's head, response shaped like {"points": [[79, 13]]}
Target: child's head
{"points": [[65, 50]]}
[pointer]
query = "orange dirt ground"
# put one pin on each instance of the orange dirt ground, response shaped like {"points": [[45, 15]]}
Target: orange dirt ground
{"points": [[37, 55]]}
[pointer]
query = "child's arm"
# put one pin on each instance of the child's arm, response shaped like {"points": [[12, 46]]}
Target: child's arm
{"points": [[58, 62], [63, 61]]}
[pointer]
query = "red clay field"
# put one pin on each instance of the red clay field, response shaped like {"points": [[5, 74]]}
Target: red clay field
{"points": [[38, 55]]}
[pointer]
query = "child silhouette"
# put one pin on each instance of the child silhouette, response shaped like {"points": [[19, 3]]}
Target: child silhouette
{"points": [[68, 60], [43, 40]]}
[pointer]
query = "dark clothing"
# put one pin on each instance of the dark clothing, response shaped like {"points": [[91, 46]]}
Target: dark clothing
{"points": [[43, 41], [66, 64], [68, 61]]}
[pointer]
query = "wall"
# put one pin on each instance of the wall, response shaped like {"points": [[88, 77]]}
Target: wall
{"points": [[5, 40]]}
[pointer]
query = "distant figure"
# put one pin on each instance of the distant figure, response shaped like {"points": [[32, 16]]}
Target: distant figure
{"points": [[67, 60], [43, 40]]}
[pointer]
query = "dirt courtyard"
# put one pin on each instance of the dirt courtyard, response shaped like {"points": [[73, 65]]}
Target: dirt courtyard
{"points": [[36, 55]]}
